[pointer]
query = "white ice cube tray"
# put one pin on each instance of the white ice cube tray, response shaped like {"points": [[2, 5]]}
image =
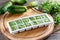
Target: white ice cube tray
{"points": [[26, 23]]}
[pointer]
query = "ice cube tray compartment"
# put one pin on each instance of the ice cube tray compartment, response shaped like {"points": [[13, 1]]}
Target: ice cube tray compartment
{"points": [[26, 23]]}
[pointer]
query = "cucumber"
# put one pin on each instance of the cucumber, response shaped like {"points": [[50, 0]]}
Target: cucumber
{"points": [[3, 9], [17, 9], [33, 3], [20, 2]]}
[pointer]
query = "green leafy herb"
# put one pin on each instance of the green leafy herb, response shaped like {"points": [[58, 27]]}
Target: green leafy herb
{"points": [[56, 17], [55, 8], [46, 6]]}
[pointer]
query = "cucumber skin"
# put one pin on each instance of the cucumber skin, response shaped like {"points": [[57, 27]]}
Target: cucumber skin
{"points": [[3, 9], [33, 4], [19, 2], [15, 9]]}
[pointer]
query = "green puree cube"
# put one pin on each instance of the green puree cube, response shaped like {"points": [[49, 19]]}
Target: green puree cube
{"points": [[19, 21], [12, 23], [34, 22], [25, 20], [40, 21], [46, 20], [27, 24], [13, 28], [37, 17], [21, 26], [32, 18], [44, 16]]}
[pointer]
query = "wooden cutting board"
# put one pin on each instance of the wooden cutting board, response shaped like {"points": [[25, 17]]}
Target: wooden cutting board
{"points": [[35, 34]]}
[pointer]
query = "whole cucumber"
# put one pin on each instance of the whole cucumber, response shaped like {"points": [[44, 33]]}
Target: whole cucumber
{"points": [[3, 9], [17, 9], [33, 3], [20, 2]]}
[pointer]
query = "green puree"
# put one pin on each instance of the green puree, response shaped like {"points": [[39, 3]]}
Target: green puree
{"points": [[21, 26], [46, 19], [13, 26], [26, 22], [32, 18], [37, 17], [19, 21], [39, 21], [12, 23], [34, 22]]}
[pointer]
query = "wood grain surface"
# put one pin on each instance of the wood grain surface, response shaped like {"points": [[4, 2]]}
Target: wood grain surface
{"points": [[35, 34]]}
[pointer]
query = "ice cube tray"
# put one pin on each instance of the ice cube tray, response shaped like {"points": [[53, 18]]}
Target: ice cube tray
{"points": [[26, 23]]}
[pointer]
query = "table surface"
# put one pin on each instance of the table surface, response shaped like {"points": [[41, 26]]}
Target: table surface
{"points": [[53, 36]]}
